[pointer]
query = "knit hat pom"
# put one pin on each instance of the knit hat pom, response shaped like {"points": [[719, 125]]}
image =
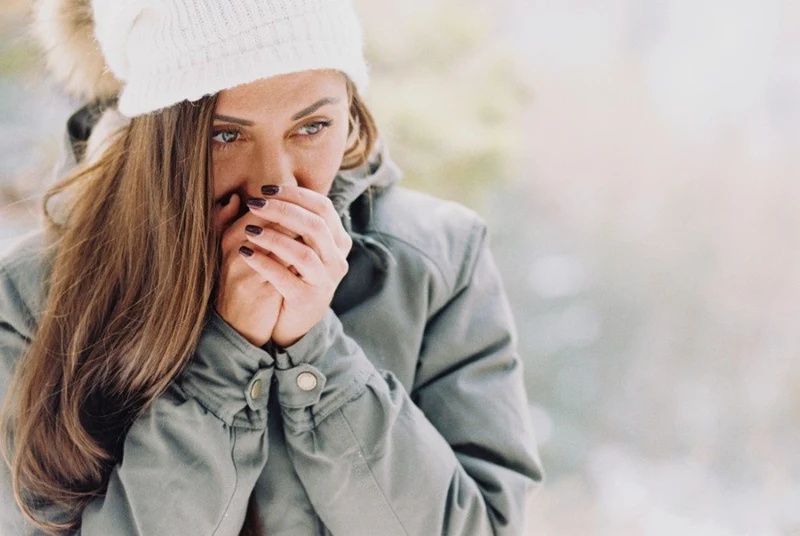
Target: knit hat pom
{"points": [[65, 31]]}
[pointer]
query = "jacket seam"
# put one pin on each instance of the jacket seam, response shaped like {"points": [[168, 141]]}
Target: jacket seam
{"points": [[422, 253], [472, 243], [213, 409], [4, 268], [467, 272], [235, 483], [235, 421], [372, 474]]}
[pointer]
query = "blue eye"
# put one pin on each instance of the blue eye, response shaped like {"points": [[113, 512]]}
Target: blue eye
{"points": [[314, 128], [225, 136]]}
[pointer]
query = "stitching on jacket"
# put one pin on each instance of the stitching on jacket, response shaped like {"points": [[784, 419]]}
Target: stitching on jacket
{"points": [[456, 280], [422, 253], [465, 275], [192, 394], [375, 480], [235, 481]]}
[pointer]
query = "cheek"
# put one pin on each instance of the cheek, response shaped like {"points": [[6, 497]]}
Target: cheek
{"points": [[227, 172], [318, 167]]}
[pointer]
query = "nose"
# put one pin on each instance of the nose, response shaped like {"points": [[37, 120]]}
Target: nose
{"points": [[266, 164], [273, 165]]}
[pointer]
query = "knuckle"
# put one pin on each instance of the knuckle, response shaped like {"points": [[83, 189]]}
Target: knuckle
{"points": [[316, 224], [306, 256], [316, 202], [325, 204], [285, 278], [270, 237], [283, 208]]}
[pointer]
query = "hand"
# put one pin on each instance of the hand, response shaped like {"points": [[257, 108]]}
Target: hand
{"points": [[243, 299], [305, 271]]}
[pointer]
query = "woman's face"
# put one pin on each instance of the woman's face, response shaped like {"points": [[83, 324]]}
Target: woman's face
{"points": [[288, 129]]}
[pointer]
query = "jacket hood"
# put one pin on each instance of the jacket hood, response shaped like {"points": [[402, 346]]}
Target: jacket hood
{"points": [[375, 176], [65, 31]]}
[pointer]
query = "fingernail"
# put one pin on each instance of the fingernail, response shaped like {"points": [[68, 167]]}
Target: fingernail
{"points": [[253, 230], [246, 251], [256, 203], [270, 189]]}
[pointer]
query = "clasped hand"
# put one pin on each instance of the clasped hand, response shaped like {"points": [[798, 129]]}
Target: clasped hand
{"points": [[281, 264]]}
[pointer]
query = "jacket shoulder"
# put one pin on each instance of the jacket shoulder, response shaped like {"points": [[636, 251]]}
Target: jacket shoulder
{"points": [[445, 234], [24, 272]]}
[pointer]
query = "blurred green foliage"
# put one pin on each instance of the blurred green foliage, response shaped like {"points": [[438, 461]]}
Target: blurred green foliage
{"points": [[449, 100], [17, 53], [15, 59]]}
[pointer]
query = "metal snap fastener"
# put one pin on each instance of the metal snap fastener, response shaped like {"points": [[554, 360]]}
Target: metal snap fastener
{"points": [[255, 389], [306, 381]]}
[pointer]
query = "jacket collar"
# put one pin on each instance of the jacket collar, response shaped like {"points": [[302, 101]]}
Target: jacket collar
{"points": [[370, 259], [376, 175]]}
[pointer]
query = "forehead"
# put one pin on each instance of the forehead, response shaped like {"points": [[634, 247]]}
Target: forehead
{"points": [[283, 94]]}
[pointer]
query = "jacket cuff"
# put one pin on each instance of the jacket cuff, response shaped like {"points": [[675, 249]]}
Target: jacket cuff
{"points": [[319, 373], [229, 376]]}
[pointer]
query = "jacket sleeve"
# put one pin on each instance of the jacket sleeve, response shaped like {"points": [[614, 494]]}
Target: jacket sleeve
{"points": [[190, 460], [461, 460]]}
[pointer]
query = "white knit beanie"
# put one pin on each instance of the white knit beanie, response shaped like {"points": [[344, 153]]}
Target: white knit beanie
{"points": [[166, 51]]}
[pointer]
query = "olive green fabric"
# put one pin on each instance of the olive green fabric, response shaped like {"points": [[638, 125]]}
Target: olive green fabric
{"points": [[402, 412]]}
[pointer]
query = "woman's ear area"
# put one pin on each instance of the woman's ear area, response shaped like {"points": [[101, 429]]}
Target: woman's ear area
{"points": [[362, 130]]}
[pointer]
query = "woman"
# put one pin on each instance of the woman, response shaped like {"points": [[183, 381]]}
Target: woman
{"points": [[236, 322]]}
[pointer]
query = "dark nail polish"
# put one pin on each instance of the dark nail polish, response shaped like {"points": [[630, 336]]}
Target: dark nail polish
{"points": [[270, 189], [254, 230], [256, 203], [246, 251]]}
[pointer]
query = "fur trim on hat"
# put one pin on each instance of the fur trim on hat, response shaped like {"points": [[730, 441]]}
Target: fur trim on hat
{"points": [[65, 30]]}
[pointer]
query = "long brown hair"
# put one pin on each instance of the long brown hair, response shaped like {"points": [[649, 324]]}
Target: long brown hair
{"points": [[138, 246]]}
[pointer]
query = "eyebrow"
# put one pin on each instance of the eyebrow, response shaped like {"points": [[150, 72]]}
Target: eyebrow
{"points": [[302, 113], [314, 107], [236, 120]]}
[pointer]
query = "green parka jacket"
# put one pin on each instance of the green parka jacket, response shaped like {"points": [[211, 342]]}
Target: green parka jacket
{"points": [[402, 412]]}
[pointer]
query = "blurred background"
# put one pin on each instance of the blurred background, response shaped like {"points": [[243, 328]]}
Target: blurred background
{"points": [[639, 165]]}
